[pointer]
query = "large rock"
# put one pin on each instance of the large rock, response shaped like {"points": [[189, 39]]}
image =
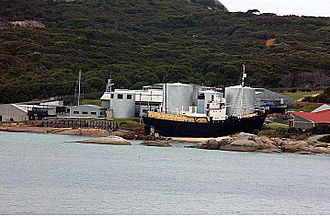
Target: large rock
{"points": [[246, 142], [300, 147], [242, 145], [320, 150], [84, 132], [110, 140], [213, 144], [157, 143], [245, 136]]}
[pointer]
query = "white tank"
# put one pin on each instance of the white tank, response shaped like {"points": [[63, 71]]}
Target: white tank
{"points": [[177, 97], [240, 100]]}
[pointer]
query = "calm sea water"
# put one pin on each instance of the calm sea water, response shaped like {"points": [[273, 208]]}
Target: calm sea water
{"points": [[46, 174]]}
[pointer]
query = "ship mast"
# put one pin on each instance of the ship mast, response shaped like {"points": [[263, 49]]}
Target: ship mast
{"points": [[244, 75], [242, 91]]}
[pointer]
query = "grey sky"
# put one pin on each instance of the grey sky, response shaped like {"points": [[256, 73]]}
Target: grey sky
{"points": [[282, 7]]}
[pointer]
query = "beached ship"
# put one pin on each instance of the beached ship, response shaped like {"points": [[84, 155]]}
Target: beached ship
{"points": [[219, 118], [185, 125]]}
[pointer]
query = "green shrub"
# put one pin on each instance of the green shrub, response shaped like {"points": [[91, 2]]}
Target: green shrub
{"points": [[321, 129], [325, 139]]}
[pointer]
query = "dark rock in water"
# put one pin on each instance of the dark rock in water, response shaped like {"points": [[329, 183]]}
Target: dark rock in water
{"points": [[190, 146], [157, 143]]}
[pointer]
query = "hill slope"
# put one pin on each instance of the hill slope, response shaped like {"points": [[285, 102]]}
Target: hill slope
{"points": [[147, 41]]}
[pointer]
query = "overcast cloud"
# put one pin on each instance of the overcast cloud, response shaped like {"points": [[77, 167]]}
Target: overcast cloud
{"points": [[282, 7]]}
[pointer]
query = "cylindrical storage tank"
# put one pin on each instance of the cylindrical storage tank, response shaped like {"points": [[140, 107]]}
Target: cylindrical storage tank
{"points": [[177, 96], [240, 100]]}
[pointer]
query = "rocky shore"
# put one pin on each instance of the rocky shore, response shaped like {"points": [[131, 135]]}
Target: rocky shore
{"points": [[242, 142], [245, 142], [62, 131]]}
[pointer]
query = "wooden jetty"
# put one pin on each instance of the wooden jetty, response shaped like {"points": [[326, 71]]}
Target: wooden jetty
{"points": [[75, 123]]}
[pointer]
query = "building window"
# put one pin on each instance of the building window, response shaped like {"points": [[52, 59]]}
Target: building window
{"points": [[201, 97], [93, 113], [75, 112], [120, 96], [129, 97], [84, 112], [112, 96]]}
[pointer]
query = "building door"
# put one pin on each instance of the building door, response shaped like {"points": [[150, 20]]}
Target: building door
{"points": [[0, 118]]}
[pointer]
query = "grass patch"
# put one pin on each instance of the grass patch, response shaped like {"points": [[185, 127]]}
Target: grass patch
{"points": [[306, 106], [128, 123], [281, 121], [90, 102], [268, 133], [127, 120], [275, 126], [299, 94]]}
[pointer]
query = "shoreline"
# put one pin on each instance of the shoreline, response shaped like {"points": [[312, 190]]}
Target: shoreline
{"points": [[59, 131], [242, 142]]}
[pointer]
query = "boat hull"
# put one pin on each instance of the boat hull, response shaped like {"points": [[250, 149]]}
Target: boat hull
{"points": [[215, 129]]}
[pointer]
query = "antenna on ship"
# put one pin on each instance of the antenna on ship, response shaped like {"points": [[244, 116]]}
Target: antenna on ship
{"points": [[109, 85]]}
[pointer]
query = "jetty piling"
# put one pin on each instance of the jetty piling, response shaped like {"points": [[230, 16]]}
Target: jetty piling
{"points": [[76, 123]]}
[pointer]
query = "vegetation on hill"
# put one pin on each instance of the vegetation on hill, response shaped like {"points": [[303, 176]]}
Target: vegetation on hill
{"points": [[321, 98], [148, 41]]}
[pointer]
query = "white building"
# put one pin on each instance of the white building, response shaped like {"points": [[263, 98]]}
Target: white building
{"points": [[163, 97], [12, 112], [25, 112], [124, 103], [87, 111]]}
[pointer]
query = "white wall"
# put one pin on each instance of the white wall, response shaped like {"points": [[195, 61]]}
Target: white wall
{"points": [[9, 111]]}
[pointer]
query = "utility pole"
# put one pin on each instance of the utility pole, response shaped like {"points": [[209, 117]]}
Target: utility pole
{"points": [[79, 85]]}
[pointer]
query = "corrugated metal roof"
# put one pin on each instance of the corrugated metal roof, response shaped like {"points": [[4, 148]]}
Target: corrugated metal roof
{"points": [[317, 117], [22, 108], [322, 108]]}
